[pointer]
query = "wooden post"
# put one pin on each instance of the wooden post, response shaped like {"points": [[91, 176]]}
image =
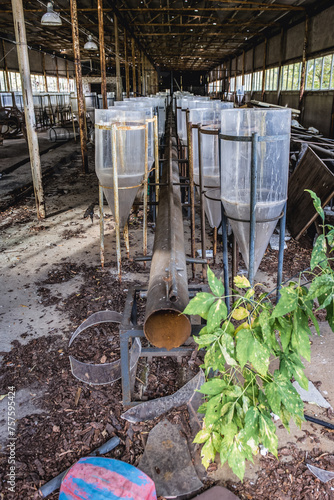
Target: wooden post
{"points": [[5, 65], [303, 72], [139, 73], [29, 112], [118, 65], [279, 83], [57, 74], [127, 72], [134, 86], [78, 76], [143, 82], [264, 68], [44, 73], [67, 75], [102, 55]]}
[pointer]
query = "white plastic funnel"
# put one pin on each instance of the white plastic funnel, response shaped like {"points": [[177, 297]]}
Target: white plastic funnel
{"points": [[272, 153], [130, 140]]}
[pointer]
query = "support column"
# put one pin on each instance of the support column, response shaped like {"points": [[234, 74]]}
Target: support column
{"points": [[143, 83], [279, 83], [303, 73], [102, 55], [5, 65], [67, 75], [57, 74], [127, 74], [134, 86], [243, 68], [29, 113], [118, 65], [139, 73], [78, 76], [44, 73], [264, 68]]}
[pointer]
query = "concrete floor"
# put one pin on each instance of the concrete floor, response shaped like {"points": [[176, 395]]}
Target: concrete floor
{"points": [[29, 250]]}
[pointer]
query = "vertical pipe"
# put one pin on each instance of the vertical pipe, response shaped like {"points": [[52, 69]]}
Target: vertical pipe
{"points": [[303, 73], [234, 258], [127, 73], [118, 65], [44, 73], [203, 239], [215, 232], [116, 200], [78, 76], [264, 68], [282, 223], [139, 74], [126, 239], [5, 65], [156, 162], [29, 113], [252, 225], [134, 86], [101, 225], [57, 74], [102, 55], [224, 235], [192, 193], [279, 83], [243, 68], [145, 195], [143, 83], [67, 75]]}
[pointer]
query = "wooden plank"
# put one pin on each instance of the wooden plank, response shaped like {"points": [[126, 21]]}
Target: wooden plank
{"points": [[311, 173]]}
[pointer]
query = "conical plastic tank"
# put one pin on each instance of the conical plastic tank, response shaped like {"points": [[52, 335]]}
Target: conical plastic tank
{"points": [[130, 155], [209, 161], [272, 154]]}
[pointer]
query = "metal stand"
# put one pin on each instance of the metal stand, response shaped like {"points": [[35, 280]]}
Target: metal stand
{"points": [[254, 139], [129, 329]]}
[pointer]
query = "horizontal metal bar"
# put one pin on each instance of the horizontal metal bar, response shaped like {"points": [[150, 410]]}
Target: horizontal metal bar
{"points": [[249, 138], [192, 260], [143, 259]]}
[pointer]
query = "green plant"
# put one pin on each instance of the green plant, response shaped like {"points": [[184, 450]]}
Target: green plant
{"points": [[242, 391]]}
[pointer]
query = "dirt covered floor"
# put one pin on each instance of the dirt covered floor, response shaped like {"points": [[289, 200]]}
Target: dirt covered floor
{"points": [[51, 282]]}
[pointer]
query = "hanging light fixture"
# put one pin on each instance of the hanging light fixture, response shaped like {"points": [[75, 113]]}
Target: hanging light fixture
{"points": [[90, 44], [51, 18]]}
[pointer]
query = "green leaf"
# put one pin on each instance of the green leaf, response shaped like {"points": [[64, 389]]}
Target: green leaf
{"points": [[267, 330], [217, 313], [287, 303], [285, 417], [316, 203], [213, 410], [224, 451], [200, 304], [282, 391], [205, 339], [319, 255], [250, 349], [240, 313], [268, 435], [208, 453], [236, 460], [216, 441], [213, 386], [241, 282], [228, 431], [252, 423], [274, 397], [291, 365], [214, 358], [215, 284], [202, 436], [330, 237], [320, 285], [300, 341], [227, 347]]}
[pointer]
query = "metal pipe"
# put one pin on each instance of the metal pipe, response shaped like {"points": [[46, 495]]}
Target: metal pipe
{"points": [[102, 55], [156, 160], [203, 239], [134, 85], [28, 103], [78, 76], [192, 194], [5, 66], [126, 239], [215, 232], [224, 236], [116, 200], [127, 73], [101, 225], [281, 253], [252, 226], [118, 65], [303, 71], [168, 295], [145, 194]]}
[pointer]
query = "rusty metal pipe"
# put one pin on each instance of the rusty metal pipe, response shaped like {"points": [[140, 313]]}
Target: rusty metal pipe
{"points": [[167, 294]]}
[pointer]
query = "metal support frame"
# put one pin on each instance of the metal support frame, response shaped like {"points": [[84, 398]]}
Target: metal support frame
{"points": [[102, 54], [254, 139], [129, 330]]}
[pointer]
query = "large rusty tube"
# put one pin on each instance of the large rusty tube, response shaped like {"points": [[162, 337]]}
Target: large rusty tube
{"points": [[167, 294]]}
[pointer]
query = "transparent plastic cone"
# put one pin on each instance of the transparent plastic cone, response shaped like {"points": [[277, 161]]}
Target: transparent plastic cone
{"points": [[209, 161], [272, 173], [130, 155]]}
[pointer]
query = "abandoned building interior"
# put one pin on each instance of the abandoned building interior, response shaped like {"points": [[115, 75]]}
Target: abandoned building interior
{"points": [[166, 242]]}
